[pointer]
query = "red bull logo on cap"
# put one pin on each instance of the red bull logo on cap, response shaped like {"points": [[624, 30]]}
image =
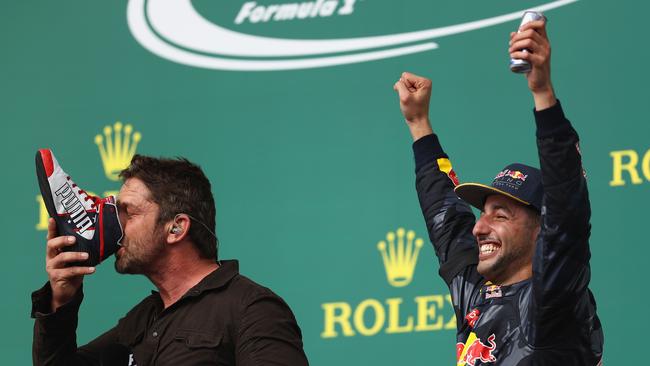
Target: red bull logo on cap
{"points": [[515, 174], [474, 350]]}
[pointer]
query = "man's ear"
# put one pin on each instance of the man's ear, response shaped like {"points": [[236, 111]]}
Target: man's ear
{"points": [[178, 228]]}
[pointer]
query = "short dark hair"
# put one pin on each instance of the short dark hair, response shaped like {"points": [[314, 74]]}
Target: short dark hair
{"points": [[179, 186]]}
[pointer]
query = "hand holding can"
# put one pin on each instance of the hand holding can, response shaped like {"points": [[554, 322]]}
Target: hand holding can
{"points": [[518, 65]]}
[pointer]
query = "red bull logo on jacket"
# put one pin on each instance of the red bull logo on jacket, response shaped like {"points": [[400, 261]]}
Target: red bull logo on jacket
{"points": [[474, 350], [515, 174]]}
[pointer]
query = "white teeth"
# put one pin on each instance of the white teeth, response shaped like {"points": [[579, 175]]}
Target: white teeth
{"points": [[488, 248]]}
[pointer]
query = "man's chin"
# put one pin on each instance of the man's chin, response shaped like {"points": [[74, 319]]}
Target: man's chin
{"points": [[124, 268], [120, 269], [488, 268]]}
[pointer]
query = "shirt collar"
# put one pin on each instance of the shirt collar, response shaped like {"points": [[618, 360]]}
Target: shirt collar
{"points": [[218, 278]]}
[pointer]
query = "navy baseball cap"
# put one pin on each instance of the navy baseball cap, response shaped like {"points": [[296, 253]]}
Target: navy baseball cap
{"points": [[520, 182]]}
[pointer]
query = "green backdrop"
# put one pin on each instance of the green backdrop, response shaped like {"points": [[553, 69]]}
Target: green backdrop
{"points": [[312, 167]]}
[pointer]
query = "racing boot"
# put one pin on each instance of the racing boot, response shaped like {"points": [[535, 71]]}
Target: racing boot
{"points": [[93, 221]]}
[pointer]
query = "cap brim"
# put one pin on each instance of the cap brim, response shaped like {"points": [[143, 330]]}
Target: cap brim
{"points": [[475, 194]]}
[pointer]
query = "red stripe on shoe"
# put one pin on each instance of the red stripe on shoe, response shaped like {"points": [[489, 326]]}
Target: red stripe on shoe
{"points": [[48, 164], [101, 231]]}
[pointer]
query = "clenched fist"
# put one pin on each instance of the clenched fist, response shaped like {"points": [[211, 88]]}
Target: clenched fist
{"points": [[414, 96]]}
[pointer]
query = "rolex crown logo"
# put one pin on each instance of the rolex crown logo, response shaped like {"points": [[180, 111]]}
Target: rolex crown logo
{"points": [[400, 254], [116, 148]]}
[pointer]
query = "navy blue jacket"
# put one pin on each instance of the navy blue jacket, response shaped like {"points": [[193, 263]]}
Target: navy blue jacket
{"points": [[549, 319]]}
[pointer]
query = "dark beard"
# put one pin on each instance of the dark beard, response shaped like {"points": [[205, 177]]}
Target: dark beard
{"points": [[504, 264], [138, 257]]}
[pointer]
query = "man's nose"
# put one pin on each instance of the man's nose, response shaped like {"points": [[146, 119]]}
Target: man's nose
{"points": [[481, 227]]}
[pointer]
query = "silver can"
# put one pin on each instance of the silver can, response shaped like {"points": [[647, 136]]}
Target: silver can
{"points": [[518, 65]]}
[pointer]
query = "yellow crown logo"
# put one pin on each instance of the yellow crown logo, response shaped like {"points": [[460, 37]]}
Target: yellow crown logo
{"points": [[400, 254], [116, 148]]}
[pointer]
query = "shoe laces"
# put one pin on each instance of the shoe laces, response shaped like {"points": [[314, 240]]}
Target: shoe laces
{"points": [[88, 197]]}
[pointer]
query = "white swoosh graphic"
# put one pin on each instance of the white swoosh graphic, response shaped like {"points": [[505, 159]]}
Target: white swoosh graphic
{"points": [[176, 24]]}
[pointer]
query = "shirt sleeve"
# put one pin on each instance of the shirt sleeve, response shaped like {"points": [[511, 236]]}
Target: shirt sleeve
{"points": [[268, 333], [55, 338], [561, 271]]}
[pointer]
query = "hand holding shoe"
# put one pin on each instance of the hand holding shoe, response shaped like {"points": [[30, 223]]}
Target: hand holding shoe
{"points": [[64, 280]]}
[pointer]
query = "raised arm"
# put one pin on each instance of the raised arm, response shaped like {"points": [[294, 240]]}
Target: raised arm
{"points": [[561, 270], [449, 220]]}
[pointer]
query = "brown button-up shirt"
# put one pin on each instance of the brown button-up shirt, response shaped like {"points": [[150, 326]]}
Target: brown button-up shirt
{"points": [[226, 319]]}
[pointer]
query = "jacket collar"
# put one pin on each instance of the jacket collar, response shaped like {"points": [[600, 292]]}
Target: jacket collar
{"points": [[491, 291]]}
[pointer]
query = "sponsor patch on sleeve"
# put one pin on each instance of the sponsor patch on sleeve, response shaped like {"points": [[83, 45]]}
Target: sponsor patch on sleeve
{"points": [[445, 166]]}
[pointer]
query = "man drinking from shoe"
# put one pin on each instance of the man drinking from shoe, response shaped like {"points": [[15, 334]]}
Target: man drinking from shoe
{"points": [[204, 312]]}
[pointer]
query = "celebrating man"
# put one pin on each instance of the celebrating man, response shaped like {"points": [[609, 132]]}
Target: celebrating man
{"points": [[519, 275]]}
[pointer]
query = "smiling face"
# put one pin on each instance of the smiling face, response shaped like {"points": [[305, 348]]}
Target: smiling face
{"points": [[506, 233], [144, 238]]}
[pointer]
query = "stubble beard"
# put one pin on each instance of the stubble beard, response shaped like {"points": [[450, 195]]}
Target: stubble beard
{"points": [[506, 263], [139, 254]]}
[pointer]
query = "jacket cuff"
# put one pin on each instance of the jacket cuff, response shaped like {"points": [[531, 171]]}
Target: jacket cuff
{"points": [[54, 321], [552, 122], [427, 149]]}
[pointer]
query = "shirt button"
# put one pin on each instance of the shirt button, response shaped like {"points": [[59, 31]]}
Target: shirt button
{"points": [[155, 334]]}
